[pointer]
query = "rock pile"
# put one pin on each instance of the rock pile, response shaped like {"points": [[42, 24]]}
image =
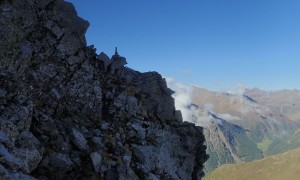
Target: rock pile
{"points": [[69, 113]]}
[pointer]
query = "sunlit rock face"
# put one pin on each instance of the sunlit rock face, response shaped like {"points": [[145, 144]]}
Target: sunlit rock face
{"points": [[69, 113]]}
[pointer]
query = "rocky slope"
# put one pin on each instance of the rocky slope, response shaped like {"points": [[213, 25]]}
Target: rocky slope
{"points": [[69, 113], [228, 144]]}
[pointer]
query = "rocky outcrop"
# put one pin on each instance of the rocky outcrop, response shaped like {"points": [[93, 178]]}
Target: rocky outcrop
{"points": [[68, 113]]}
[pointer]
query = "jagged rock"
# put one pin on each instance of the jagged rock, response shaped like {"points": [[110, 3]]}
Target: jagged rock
{"points": [[60, 101], [127, 158], [169, 143], [29, 149], [97, 142], [31, 157], [105, 59], [131, 105], [10, 129], [3, 171], [126, 172], [27, 140], [3, 137], [118, 61], [151, 176], [78, 139], [97, 133], [18, 175], [2, 93], [140, 130], [158, 97], [96, 160], [61, 162], [126, 103], [54, 28], [8, 85], [178, 116], [11, 161]]}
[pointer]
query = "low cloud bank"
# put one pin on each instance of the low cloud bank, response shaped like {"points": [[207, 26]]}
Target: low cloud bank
{"points": [[183, 101], [183, 97]]}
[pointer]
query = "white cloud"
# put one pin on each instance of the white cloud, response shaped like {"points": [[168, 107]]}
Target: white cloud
{"points": [[183, 97]]}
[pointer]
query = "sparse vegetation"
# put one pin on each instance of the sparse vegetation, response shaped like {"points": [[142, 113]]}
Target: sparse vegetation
{"points": [[278, 167], [264, 145]]}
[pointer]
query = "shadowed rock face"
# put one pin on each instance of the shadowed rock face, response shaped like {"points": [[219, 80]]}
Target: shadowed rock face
{"points": [[67, 113]]}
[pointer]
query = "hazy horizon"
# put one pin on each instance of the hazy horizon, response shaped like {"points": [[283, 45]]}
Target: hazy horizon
{"points": [[211, 44]]}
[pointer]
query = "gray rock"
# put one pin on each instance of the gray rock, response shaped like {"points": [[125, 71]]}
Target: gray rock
{"points": [[97, 133], [20, 176], [96, 160], [127, 158], [118, 61], [3, 171], [9, 129], [131, 105], [72, 60], [105, 59], [105, 126], [11, 161], [140, 152], [128, 103], [97, 141], [31, 157], [159, 98], [140, 130], [120, 100], [54, 28], [27, 140], [126, 173], [2, 93], [178, 116], [56, 94], [78, 139], [3, 137], [151, 176], [61, 161]]}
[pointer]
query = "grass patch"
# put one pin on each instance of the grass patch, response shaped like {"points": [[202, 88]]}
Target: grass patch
{"points": [[264, 145]]}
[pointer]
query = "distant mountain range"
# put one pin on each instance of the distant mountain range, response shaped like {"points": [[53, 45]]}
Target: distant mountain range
{"points": [[246, 125], [277, 167]]}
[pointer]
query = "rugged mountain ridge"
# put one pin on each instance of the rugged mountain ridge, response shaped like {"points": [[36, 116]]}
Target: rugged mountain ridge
{"points": [[246, 125], [69, 113], [283, 102]]}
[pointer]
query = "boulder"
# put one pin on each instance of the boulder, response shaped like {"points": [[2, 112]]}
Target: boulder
{"points": [[96, 160], [78, 139]]}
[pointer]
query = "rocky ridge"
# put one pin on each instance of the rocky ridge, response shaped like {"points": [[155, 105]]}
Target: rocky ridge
{"points": [[69, 113]]}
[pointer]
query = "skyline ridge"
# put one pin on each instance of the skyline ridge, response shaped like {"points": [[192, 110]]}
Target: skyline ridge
{"points": [[212, 44]]}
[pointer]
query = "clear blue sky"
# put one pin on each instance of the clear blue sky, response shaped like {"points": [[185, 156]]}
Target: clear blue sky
{"points": [[212, 43]]}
